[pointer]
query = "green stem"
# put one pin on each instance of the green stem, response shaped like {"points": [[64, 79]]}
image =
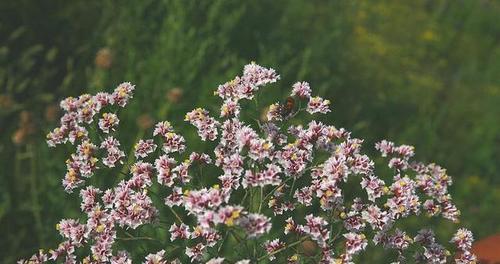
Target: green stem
{"points": [[130, 157], [277, 187], [131, 237], [34, 193], [261, 198], [137, 238], [178, 218], [293, 185], [222, 243], [244, 197]]}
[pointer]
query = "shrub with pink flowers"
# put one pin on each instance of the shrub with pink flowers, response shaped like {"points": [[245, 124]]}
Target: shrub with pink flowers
{"points": [[269, 190]]}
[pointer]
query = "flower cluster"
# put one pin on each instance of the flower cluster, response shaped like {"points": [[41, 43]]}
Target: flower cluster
{"points": [[113, 152], [206, 125], [274, 191], [108, 122], [463, 240]]}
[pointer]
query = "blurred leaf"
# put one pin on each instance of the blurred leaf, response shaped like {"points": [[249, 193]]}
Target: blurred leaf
{"points": [[51, 54], [17, 33]]}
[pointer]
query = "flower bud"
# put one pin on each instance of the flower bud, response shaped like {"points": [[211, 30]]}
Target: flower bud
{"points": [[309, 248], [174, 95], [104, 58]]}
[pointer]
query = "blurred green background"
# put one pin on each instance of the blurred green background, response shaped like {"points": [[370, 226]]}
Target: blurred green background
{"points": [[425, 73]]}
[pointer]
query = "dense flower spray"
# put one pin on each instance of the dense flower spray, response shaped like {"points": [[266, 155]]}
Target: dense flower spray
{"points": [[280, 194]]}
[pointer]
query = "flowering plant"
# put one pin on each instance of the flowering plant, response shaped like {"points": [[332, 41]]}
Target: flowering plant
{"points": [[275, 191]]}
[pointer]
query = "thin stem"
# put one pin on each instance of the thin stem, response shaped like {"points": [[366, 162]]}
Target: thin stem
{"points": [[235, 235], [35, 192], [178, 218], [96, 130], [130, 157], [261, 198], [131, 237], [254, 255], [221, 244], [173, 249], [277, 187], [336, 235], [239, 240], [293, 185], [162, 226], [294, 114], [137, 238], [244, 196], [258, 122], [250, 205]]}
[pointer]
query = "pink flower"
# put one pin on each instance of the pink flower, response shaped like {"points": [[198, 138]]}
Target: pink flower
{"points": [[373, 186], [195, 253], [230, 108], [434, 253], [255, 224], [157, 258], [162, 129], [200, 157], [142, 173], [122, 94], [301, 89], [463, 239], [215, 261], [132, 208], [259, 75], [266, 177], [173, 143], [304, 196], [89, 198], [72, 230], [244, 87], [103, 100], [108, 122], [449, 210], [355, 243], [272, 246], [122, 257], [69, 104], [179, 232], [114, 154], [377, 218], [38, 258], [399, 240], [206, 125], [318, 105], [466, 257], [317, 228], [144, 147], [385, 147], [290, 226], [164, 166], [175, 198], [425, 237], [274, 113]]}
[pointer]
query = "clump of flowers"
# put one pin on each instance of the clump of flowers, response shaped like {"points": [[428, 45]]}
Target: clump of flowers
{"points": [[280, 191]]}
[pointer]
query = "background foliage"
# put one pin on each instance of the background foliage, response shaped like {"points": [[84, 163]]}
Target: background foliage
{"points": [[425, 73]]}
